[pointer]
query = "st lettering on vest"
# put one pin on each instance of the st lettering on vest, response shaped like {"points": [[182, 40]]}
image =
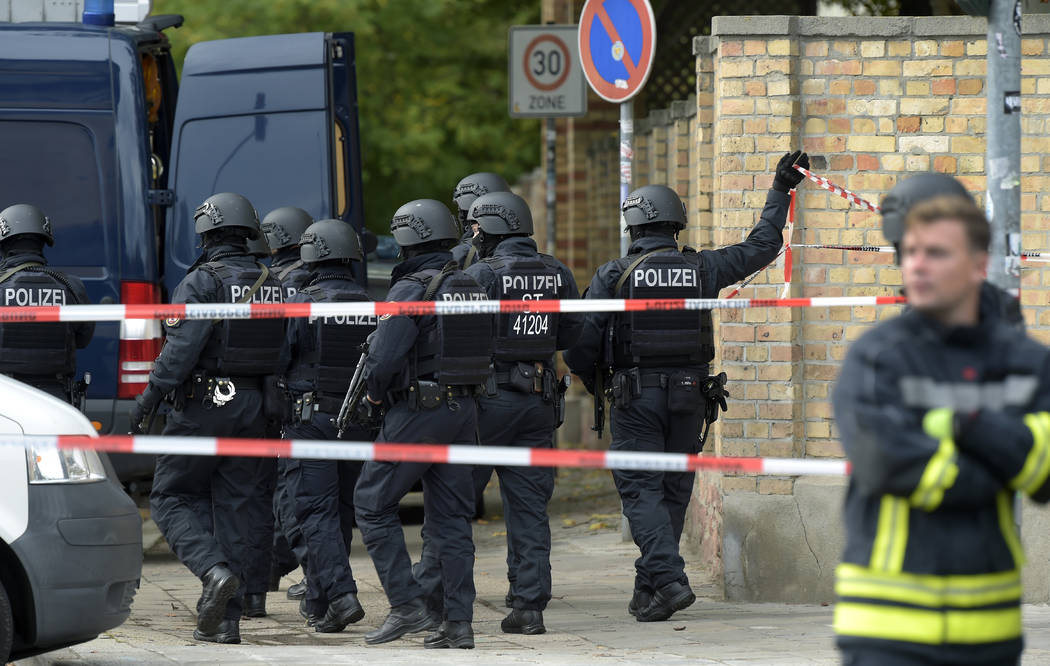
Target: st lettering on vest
{"points": [[664, 277], [37, 296]]}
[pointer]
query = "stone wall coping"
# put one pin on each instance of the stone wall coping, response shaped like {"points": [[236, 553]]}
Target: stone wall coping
{"points": [[856, 26], [685, 108]]}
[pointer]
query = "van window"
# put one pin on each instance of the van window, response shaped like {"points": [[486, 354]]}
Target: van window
{"points": [[274, 159], [53, 165]]}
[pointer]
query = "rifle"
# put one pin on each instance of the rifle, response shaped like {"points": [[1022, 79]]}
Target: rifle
{"points": [[78, 392], [713, 389], [599, 400], [349, 414]]}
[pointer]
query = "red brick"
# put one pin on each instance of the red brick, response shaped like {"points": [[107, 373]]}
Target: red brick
{"points": [[867, 162], [943, 87], [945, 164], [731, 48], [847, 67], [906, 124], [838, 126]]}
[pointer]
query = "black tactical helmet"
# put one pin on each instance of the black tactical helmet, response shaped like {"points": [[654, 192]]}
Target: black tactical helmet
{"points": [[501, 214], [423, 221], [475, 185], [22, 220], [651, 204], [258, 247], [283, 226], [226, 210], [907, 193], [326, 240]]}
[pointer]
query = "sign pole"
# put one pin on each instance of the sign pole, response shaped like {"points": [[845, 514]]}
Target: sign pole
{"points": [[1003, 158], [626, 166], [552, 142]]}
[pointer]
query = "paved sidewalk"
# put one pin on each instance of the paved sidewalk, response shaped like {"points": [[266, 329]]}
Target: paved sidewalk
{"points": [[587, 621]]}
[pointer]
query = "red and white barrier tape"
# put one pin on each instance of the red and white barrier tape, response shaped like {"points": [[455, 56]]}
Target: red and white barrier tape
{"points": [[1033, 256], [430, 453], [368, 309], [835, 189]]}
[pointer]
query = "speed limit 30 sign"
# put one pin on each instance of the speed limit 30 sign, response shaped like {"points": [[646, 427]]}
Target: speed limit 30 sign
{"points": [[546, 79]]}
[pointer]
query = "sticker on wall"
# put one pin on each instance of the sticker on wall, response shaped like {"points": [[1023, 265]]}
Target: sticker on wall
{"points": [[1012, 101]]}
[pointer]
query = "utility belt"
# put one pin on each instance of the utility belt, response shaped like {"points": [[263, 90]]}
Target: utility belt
{"points": [[530, 377], [425, 394], [305, 405], [213, 391], [684, 394], [688, 391]]}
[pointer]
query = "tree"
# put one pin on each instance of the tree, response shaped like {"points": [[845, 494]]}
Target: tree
{"points": [[432, 84]]}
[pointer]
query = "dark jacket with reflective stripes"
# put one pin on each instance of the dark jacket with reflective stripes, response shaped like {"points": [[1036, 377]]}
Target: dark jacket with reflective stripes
{"points": [[932, 560]]}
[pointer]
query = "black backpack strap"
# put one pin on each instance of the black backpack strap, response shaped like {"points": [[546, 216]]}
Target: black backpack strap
{"points": [[435, 282], [17, 269], [633, 265]]}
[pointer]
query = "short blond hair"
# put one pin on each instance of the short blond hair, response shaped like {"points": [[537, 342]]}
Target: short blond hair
{"points": [[952, 207]]}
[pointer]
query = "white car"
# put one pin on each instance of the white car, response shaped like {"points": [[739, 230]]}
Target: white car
{"points": [[70, 538]]}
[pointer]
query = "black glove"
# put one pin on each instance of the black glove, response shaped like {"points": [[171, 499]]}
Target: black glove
{"points": [[144, 405], [786, 177]]}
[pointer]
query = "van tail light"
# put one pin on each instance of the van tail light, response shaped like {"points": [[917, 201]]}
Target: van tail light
{"points": [[140, 340]]}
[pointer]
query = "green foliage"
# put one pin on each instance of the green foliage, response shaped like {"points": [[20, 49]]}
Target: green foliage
{"points": [[432, 84]]}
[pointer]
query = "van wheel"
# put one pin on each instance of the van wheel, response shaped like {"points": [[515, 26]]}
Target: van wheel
{"points": [[7, 626]]}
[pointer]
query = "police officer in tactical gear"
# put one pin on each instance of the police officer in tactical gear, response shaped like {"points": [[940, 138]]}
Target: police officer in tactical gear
{"points": [[40, 354], [467, 190], [283, 228], [324, 352], [944, 413], [213, 510], [522, 409], [425, 371], [922, 187], [657, 363]]}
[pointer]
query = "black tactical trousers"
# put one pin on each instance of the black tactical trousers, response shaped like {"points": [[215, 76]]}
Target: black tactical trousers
{"points": [[212, 509], [518, 419], [289, 548], [448, 501], [322, 493], [257, 576], [655, 502]]}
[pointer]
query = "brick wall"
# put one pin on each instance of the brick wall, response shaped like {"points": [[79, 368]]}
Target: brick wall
{"points": [[872, 100]]}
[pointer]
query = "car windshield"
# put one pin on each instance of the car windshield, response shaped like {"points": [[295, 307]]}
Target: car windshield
{"points": [[53, 165], [275, 159]]}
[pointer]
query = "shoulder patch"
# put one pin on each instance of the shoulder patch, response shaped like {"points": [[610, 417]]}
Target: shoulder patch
{"points": [[173, 322]]}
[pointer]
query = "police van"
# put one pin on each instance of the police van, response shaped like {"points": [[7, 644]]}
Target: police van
{"points": [[97, 130], [70, 538]]}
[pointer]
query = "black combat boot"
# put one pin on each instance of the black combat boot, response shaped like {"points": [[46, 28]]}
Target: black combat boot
{"points": [[666, 601], [310, 618], [529, 622], [404, 619], [341, 612], [451, 635], [640, 599], [254, 605], [298, 590], [220, 585], [227, 631], [508, 600]]}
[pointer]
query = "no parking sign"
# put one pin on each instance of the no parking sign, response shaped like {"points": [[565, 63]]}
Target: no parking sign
{"points": [[617, 41]]}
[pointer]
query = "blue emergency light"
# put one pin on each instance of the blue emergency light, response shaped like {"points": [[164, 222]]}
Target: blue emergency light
{"points": [[99, 12]]}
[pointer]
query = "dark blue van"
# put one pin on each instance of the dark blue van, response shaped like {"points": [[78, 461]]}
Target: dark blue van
{"points": [[97, 131]]}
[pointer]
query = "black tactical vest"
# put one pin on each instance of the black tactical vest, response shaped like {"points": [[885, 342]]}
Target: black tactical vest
{"points": [[37, 349], [656, 338], [457, 349], [329, 355], [244, 347], [526, 336]]}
